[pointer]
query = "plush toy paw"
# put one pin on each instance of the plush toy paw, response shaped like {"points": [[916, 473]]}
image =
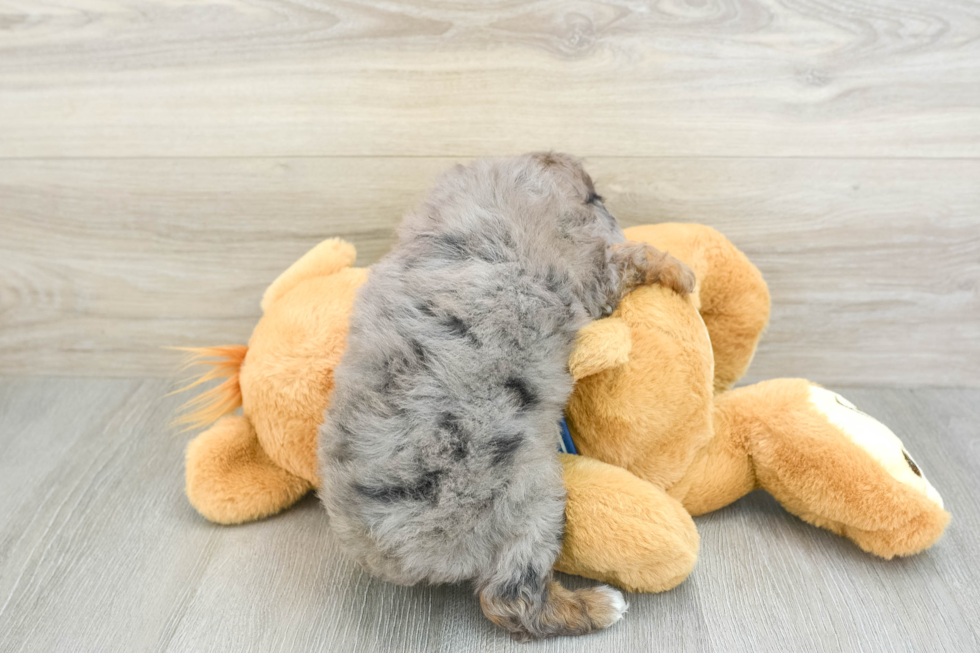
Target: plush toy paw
{"points": [[839, 468], [231, 480], [877, 440], [916, 518], [622, 530]]}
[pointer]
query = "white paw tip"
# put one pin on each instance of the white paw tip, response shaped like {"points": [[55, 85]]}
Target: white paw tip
{"points": [[616, 602]]}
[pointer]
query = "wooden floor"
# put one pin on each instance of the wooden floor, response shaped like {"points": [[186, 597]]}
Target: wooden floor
{"points": [[100, 551]]}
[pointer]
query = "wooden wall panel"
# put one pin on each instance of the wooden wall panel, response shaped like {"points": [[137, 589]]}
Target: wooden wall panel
{"points": [[162, 160], [617, 77], [874, 265]]}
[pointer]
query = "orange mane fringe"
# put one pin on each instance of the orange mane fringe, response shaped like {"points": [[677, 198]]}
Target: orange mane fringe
{"points": [[224, 362]]}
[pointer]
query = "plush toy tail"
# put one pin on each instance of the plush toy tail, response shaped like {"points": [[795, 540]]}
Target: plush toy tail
{"points": [[224, 362]]}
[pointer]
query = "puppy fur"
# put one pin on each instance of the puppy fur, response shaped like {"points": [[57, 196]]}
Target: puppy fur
{"points": [[439, 452]]}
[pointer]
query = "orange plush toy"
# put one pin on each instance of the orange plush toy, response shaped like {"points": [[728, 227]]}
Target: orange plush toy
{"points": [[661, 434]]}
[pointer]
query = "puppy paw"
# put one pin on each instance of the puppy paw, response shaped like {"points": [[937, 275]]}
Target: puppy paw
{"points": [[669, 271], [616, 606], [560, 612], [677, 276], [639, 263]]}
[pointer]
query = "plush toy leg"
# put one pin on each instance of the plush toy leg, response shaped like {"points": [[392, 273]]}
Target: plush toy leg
{"points": [[231, 480], [622, 530], [824, 461]]}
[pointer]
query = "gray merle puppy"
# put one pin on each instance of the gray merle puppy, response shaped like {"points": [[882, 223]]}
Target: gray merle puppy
{"points": [[439, 452]]}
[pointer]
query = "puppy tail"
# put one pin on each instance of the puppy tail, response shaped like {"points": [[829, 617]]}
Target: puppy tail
{"points": [[533, 610], [223, 362]]}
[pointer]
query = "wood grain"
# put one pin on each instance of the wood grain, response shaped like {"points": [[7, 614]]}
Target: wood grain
{"points": [[99, 551], [96, 78], [874, 265]]}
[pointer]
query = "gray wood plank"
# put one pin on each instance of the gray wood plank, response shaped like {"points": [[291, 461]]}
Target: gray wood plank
{"points": [[874, 265], [330, 77], [95, 556], [99, 551]]}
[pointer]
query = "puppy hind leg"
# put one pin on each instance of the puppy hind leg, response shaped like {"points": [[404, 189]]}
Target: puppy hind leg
{"points": [[529, 603]]}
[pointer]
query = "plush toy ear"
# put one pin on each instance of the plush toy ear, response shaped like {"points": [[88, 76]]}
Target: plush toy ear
{"points": [[329, 257], [602, 345]]}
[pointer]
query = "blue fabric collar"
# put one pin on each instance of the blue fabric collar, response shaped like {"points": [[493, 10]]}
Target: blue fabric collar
{"points": [[566, 445]]}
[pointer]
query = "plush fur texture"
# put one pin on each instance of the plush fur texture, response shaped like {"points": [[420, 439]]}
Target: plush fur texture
{"points": [[283, 381], [438, 452], [634, 532], [232, 479], [624, 530], [664, 414]]}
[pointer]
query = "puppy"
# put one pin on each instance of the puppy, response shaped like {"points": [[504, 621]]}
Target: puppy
{"points": [[439, 452]]}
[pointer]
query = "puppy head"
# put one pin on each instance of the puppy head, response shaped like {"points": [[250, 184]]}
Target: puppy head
{"points": [[579, 203], [544, 193]]}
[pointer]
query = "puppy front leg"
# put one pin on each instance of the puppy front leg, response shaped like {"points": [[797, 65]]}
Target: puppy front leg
{"points": [[636, 264]]}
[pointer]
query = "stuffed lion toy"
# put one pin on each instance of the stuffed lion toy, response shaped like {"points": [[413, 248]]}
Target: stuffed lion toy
{"points": [[660, 434]]}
